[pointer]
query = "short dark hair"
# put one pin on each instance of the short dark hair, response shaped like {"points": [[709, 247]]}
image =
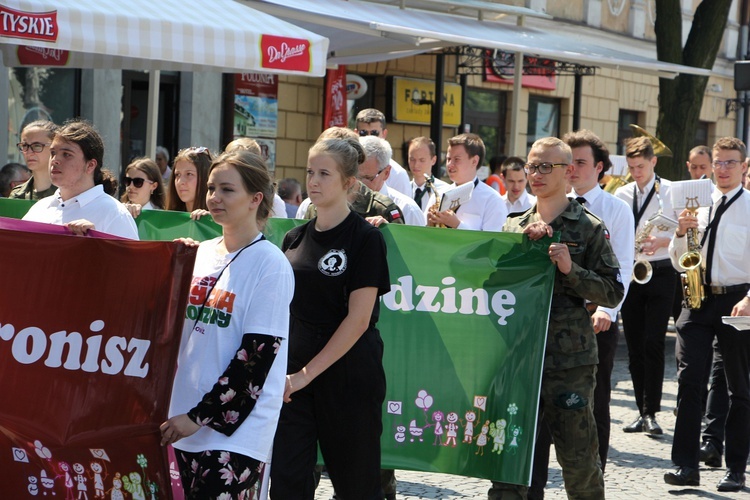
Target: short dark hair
{"points": [[731, 144], [639, 147], [423, 141], [370, 115], [83, 133], [700, 150], [288, 188], [512, 163], [472, 143], [584, 137]]}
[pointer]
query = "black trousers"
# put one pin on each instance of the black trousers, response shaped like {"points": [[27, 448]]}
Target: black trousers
{"points": [[696, 330], [717, 404], [645, 316], [341, 410], [607, 344]]}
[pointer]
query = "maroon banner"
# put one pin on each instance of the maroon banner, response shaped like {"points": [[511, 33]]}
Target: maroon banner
{"points": [[334, 108], [89, 334]]}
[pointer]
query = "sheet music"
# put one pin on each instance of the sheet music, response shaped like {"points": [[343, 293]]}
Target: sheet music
{"points": [[456, 197], [619, 166], [695, 193]]}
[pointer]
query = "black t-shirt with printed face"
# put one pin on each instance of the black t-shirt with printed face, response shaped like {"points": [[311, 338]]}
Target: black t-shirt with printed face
{"points": [[329, 265]]}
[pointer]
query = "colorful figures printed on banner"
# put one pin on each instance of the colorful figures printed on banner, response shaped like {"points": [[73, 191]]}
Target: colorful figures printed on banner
{"points": [[415, 431], [81, 480], [497, 431], [451, 429], [98, 475], [482, 438], [470, 417], [437, 418]]}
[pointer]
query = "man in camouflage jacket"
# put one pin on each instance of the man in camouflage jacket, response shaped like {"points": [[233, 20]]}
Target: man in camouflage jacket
{"points": [[587, 269]]}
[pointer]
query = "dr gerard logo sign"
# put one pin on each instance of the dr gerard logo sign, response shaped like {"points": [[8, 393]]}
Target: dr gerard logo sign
{"points": [[28, 25], [282, 52]]}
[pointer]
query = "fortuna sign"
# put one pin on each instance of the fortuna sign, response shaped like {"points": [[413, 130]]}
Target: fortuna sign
{"points": [[28, 25], [280, 52]]}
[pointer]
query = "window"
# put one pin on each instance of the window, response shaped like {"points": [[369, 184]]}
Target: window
{"points": [[366, 101], [39, 94], [624, 132], [485, 116], [544, 119]]}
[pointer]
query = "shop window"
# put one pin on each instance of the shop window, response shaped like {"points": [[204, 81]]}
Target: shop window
{"points": [[701, 135], [544, 119], [39, 94], [624, 132], [484, 115], [365, 101]]}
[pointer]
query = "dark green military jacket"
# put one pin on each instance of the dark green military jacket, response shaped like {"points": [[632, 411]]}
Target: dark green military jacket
{"points": [[369, 203], [26, 191], [594, 276]]}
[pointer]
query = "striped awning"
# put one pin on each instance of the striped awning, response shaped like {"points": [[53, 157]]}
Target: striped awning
{"points": [[168, 35]]}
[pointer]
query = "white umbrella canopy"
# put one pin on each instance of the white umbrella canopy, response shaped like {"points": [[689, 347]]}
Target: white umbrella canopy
{"points": [[169, 35]]}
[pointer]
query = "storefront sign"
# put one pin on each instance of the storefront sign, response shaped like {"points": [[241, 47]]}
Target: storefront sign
{"points": [[281, 52], [256, 106], [41, 56], [538, 73], [406, 111], [334, 108], [28, 25]]}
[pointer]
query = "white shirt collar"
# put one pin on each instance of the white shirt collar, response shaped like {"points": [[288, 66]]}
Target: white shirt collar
{"points": [[84, 198], [716, 194]]}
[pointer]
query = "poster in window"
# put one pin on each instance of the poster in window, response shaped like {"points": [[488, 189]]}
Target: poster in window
{"points": [[256, 105]]}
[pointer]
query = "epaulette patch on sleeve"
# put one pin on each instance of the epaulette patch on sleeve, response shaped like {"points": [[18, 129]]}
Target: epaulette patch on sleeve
{"points": [[606, 233], [395, 214]]}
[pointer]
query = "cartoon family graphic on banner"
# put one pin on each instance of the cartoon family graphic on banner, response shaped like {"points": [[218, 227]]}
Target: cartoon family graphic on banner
{"points": [[446, 427]]}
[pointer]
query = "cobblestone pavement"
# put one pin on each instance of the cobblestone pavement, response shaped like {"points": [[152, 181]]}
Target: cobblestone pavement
{"points": [[636, 466]]}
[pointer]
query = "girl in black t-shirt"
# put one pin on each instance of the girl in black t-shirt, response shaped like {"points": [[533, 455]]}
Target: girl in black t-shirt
{"points": [[336, 384]]}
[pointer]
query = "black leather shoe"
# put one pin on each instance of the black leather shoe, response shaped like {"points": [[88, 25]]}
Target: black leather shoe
{"points": [[710, 455], [636, 426], [651, 427], [733, 481], [684, 476]]}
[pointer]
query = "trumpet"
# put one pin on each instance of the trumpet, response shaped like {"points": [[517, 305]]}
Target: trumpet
{"points": [[694, 293], [435, 207]]}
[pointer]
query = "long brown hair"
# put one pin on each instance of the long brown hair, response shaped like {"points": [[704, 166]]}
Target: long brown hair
{"points": [[255, 178], [148, 167], [201, 158]]}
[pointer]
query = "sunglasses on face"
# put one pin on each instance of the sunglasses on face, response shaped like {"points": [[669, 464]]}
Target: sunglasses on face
{"points": [[136, 181], [365, 133]]}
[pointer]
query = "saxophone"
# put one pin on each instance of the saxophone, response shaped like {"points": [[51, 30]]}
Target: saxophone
{"points": [[642, 270], [693, 291], [435, 207]]}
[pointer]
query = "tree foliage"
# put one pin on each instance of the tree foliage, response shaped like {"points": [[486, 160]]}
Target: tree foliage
{"points": [[680, 100]]}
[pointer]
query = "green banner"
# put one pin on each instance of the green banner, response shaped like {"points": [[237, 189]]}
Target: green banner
{"points": [[464, 329]]}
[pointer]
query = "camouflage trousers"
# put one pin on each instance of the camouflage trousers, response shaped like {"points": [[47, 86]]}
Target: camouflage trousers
{"points": [[567, 398]]}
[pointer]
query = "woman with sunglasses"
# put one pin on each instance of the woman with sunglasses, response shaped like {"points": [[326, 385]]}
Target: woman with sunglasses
{"points": [[143, 188], [230, 379], [187, 184], [36, 138]]}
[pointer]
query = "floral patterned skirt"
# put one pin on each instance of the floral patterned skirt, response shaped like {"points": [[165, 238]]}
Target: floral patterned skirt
{"points": [[219, 475]]}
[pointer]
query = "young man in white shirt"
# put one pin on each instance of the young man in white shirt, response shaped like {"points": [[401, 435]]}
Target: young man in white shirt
{"points": [[374, 173], [372, 122], [726, 285], [485, 211], [516, 198], [421, 160], [80, 203], [648, 305]]}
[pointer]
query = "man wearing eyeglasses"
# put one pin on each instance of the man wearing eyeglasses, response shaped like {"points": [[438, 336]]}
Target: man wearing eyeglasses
{"points": [[374, 174], [80, 203], [372, 122], [648, 306], [486, 210], [725, 247], [36, 138], [586, 269]]}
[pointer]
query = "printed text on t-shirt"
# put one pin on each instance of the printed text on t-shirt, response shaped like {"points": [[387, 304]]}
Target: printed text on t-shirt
{"points": [[213, 304]]}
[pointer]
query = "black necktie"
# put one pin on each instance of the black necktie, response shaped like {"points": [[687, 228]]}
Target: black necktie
{"points": [[581, 200], [712, 239], [419, 194]]}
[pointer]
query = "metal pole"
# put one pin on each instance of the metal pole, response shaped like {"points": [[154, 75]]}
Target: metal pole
{"points": [[152, 121], [577, 90], [436, 111]]}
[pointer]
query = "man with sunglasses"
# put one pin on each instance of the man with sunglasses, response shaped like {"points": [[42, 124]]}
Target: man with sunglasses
{"points": [[725, 246], [80, 203], [586, 269], [372, 122]]}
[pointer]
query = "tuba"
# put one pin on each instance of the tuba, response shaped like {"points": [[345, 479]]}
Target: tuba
{"points": [[694, 293], [660, 150]]}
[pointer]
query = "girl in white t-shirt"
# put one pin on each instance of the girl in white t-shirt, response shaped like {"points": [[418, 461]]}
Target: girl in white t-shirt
{"points": [[230, 379]]}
